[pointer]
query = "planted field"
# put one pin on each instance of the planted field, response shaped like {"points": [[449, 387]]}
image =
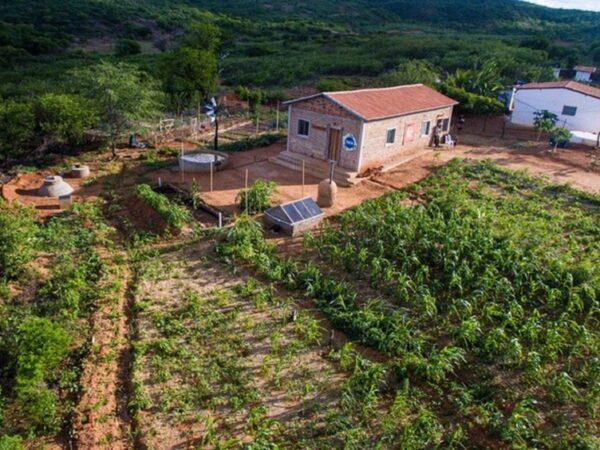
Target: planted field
{"points": [[225, 361], [481, 286], [53, 278]]}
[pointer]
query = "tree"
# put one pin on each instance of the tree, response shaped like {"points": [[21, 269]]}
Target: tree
{"points": [[412, 72], [560, 135], [63, 118], [202, 36], [127, 47], [544, 122], [473, 103], [17, 129], [123, 95], [486, 81], [189, 75]]}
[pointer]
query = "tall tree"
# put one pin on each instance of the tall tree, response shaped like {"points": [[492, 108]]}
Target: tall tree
{"points": [[63, 118], [189, 75], [202, 36], [123, 95], [17, 129]]}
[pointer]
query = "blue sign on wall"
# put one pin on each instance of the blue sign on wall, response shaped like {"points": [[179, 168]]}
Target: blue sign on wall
{"points": [[350, 142]]}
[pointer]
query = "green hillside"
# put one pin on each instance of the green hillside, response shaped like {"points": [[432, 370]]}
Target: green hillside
{"points": [[290, 43]]}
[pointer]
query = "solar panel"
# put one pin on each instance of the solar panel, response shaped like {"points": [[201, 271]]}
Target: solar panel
{"points": [[278, 214], [292, 212], [312, 207], [303, 210], [296, 211]]}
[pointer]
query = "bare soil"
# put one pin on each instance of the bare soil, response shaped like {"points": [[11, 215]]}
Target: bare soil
{"points": [[166, 423]]}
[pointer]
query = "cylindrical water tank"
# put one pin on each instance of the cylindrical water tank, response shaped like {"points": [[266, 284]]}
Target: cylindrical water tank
{"points": [[80, 171]]}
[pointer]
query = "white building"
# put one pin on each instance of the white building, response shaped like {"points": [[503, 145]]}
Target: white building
{"points": [[584, 74], [576, 105]]}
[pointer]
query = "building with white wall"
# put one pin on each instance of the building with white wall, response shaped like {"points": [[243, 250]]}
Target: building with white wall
{"points": [[584, 73], [576, 105]]}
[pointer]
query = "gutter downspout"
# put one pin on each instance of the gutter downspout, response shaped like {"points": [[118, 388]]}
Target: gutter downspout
{"points": [[360, 148]]}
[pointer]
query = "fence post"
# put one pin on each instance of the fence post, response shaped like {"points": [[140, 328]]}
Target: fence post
{"points": [[303, 176], [246, 190]]}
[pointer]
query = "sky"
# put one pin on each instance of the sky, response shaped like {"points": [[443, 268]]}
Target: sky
{"points": [[592, 5]]}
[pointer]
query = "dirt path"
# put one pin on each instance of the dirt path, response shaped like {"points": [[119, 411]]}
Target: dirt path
{"points": [[101, 419], [571, 166]]}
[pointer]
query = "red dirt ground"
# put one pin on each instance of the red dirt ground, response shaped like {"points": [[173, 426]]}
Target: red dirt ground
{"points": [[572, 166]]}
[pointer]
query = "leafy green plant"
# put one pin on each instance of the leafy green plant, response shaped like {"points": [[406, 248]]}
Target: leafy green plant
{"points": [[256, 198], [17, 239], [174, 215]]}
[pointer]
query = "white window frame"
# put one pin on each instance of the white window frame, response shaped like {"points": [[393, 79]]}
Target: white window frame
{"points": [[387, 133], [307, 135], [428, 122]]}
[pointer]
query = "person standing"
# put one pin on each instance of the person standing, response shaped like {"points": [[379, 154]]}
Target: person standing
{"points": [[437, 131]]}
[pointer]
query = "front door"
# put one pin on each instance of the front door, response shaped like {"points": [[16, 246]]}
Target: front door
{"points": [[335, 144]]}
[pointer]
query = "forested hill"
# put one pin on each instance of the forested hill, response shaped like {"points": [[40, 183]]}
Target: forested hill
{"points": [[60, 19], [293, 42]]}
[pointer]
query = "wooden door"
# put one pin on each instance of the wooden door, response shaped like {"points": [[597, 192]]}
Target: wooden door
{"points": [[335, 144]]}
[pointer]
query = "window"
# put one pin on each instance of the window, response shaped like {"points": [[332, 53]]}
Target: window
{"points": [[303, 127], [425, 126], [443, 124], [446, 125], [569, 110], [390, 136]]}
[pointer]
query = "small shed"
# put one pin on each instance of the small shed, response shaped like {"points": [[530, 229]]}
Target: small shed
{"points": [[294, 217]]}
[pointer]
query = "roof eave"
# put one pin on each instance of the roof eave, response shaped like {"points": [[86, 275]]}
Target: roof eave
{"points": [[409, 113]]}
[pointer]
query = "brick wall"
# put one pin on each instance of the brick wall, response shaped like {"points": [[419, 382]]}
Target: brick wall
{"points": [[375, 151], [322, 114]]}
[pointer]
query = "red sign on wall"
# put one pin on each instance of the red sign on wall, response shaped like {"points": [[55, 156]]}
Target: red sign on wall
{"points": [[409, 133]]}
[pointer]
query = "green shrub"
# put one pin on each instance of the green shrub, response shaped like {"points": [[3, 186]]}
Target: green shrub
{"points": [[10, 442], [40, 347], [17, 239], [127, 47], [249, 143], [175, 215], [332, 84], [256, 198]]}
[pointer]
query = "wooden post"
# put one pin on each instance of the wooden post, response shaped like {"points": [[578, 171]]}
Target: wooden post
{"points": [[246, 188], [277, 118], [211, 176], [257, 122], [182, 165], [303, 177]]}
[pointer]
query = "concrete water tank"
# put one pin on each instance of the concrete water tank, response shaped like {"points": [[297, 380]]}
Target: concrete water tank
{"points": [[80, 171], [55, 186]]}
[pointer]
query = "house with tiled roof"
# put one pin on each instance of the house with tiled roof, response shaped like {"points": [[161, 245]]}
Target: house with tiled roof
{"points": [[363, 129], [584, 73], [577, 105]]}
